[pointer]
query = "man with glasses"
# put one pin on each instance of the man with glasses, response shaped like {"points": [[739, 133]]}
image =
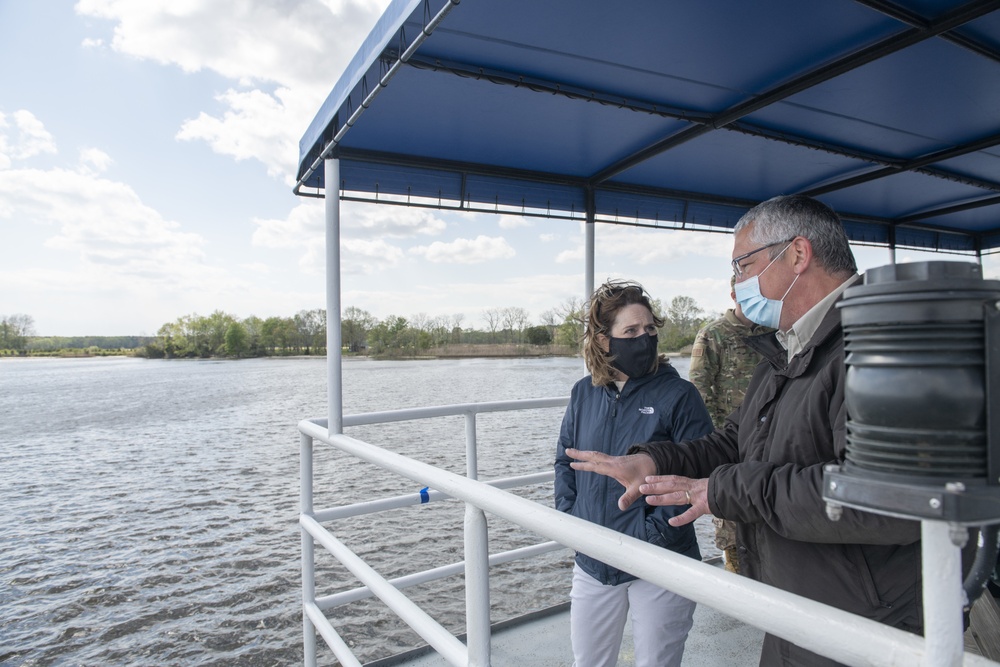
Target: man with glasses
{"points": [[763, 468]]}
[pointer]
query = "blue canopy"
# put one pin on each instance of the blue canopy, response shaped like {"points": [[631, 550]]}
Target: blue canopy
{"points": [[678, 113]]}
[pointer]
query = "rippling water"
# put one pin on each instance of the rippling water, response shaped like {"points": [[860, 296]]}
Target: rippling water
{"points": [[150, 507]]}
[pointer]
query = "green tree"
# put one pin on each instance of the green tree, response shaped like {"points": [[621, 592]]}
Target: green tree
{"points": [[355, 324], [683, 318], [539, 335], [236, 340], [278, 333], [311, 328], [389, 336], [216, 327], [254, 326], [570, 332]]}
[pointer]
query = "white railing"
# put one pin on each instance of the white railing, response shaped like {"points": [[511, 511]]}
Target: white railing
{"points": [[832, 632]]}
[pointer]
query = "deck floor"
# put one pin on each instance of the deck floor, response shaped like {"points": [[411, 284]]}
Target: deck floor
{"points": [[715, 639]]}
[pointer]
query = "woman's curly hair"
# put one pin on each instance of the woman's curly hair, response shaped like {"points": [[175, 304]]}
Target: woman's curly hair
{"points": [[602, 309]]}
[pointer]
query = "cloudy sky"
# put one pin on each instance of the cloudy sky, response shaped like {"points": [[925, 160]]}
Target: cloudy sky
{"points": [[146, 157]]}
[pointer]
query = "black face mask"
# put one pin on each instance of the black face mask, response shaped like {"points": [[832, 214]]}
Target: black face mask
{"points": [[634, 356]]}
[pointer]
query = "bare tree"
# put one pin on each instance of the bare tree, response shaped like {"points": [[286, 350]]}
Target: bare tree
{"points": [[456, 327], [515, 320], [550, 320], [493, 317], [15, 330]]}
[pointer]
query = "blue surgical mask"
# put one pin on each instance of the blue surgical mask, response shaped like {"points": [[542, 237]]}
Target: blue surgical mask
{"points": [[755, 306]]}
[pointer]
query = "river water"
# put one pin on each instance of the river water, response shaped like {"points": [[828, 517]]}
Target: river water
{"points": [[150, 507]]}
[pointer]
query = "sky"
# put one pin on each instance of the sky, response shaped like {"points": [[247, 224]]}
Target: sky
{"points": [[147, 159]]}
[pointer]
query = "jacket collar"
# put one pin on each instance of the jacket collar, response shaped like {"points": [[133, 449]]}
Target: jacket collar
{"points": [[665, 368]]}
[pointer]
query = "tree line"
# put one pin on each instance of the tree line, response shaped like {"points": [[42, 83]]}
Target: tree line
{"points": [[224, 335]]}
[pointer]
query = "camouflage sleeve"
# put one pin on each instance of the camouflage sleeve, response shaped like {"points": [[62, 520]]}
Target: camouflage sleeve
{"points": [[704, 374]]}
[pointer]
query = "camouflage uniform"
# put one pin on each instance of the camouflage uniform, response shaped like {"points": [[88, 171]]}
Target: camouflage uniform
{"points": [[721, 366]]}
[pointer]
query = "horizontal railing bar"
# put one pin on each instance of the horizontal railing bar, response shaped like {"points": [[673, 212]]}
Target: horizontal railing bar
{"points": [[337, 599], [330, 635], [430, 630], [410, 414], [411, 499], [789, 616]]}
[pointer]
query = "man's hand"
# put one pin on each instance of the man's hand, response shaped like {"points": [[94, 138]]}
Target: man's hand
{"points": [[629, 471], [674, 490]]}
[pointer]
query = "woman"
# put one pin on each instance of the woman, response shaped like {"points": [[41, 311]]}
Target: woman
{"points": [[633, 395]]}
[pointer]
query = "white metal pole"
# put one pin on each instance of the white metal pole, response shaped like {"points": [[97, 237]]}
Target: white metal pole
{"points": [[308, 556], [477, 586], [588, 278], [335, 387], [471, 447], [477, 562], [943, 596]]}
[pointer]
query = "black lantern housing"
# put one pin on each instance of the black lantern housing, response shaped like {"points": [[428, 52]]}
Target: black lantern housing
{"points": [[922, 350]]}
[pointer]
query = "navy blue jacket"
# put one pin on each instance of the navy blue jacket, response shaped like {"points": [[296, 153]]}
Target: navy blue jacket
{"points": [[658, 407]]}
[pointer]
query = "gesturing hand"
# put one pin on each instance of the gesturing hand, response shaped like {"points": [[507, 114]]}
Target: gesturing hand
{"points": [[675, 490], [629, 471]]}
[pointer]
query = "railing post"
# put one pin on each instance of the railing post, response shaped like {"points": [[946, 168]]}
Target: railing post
{"points": [[477, 562], [308, 559], [942, 580], [471, 447]]}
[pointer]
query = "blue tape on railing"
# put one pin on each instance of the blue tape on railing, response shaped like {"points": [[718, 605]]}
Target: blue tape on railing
{"points": [[424, 496]]}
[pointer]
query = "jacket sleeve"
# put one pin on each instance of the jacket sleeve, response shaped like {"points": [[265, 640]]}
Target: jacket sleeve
{"points": [[788, 496], [789, 499], [565, 476], [694, 458]]}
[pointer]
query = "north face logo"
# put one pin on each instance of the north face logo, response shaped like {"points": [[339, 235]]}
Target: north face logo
{"points": [[646, 411]]}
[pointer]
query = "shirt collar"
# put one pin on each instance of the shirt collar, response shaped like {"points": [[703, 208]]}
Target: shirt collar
{"points": [[797, 337]]}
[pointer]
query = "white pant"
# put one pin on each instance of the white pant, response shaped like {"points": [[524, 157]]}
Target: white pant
{"points": [[660, 622]]}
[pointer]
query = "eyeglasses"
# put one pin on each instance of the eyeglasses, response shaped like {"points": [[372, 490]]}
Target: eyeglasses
{"points": [[738, 270]]}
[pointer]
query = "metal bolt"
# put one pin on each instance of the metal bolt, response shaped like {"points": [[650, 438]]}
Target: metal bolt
{"points": [[958, 534], [834, 511], [833, 486], [955, 487], [935, 503]]}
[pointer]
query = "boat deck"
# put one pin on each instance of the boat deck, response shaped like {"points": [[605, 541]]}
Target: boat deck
{"points": [[542, 640]]}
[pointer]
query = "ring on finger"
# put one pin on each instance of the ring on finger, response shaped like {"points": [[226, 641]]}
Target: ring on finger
{"points": [[687, 494]]}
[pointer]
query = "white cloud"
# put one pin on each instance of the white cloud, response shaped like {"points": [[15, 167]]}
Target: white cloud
{"points": [[466, 251], [651, 246], [304, 223], [513, 222], [113, 240], [394, 221], [547, 238], [23, 136], [295, 47], [253, 127], [94, 160]]}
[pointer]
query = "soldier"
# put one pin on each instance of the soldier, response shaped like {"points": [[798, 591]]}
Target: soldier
{"points": [[721, 366]]}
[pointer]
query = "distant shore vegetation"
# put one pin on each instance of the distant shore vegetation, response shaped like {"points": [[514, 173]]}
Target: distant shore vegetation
{"points": [[509, 332]]}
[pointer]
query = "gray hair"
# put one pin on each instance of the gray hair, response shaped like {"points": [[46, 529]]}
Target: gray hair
{"points": [[788, 216]]}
